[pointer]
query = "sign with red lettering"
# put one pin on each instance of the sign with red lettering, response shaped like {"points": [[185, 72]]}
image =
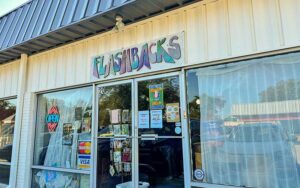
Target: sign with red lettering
{"points": [[52, 118], [164, 53]]}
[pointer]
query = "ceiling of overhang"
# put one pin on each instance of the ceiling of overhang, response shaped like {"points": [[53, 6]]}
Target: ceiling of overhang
{"points": [[39, 25]]}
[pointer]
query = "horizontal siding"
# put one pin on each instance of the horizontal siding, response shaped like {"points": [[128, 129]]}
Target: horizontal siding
{"points": [[215, 29], [9, 76]]}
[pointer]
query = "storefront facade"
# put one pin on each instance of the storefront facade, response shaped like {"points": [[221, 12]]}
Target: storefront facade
{"points": [[205, 95]]}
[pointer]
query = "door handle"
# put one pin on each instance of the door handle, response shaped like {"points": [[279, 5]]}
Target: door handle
{"points": [[149, 136], [121, 137]]}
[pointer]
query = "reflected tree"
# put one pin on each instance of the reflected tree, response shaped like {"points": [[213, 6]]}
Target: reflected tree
{"points": [[210, 107], [282, 91], [6, 109]]}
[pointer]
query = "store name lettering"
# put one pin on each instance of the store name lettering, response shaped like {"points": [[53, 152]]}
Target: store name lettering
{"points": [[166, 50]]}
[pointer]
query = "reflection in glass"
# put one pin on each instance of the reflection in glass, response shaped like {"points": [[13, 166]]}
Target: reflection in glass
{"points": [[46, 178], [7, 123], [244, 122], [114, 110], [63, 129], [114, 162], [161, 162], [4, 174], [171, 95], [114, 144], [160, 159]]}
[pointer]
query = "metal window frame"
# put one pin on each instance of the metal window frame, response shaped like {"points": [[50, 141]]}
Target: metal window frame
{"points": [[9, 163], [128, 81], [32, 148]]}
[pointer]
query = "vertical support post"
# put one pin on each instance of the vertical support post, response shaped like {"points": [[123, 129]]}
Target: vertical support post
{"points": [[18, 120], [94, 138], [185, 132]]}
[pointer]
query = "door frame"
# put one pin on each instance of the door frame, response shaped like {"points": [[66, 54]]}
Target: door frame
{"points": [[95, 128], [134, 131]]}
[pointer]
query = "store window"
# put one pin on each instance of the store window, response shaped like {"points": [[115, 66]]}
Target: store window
{"points": [[7, 123], [63, 138], [244, 122]]}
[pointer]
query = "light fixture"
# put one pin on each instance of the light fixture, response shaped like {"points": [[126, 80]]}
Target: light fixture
{"points": [[119, 23]]}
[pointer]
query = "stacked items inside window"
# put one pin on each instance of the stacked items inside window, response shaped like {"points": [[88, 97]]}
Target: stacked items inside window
{"points": [[120, 144]]}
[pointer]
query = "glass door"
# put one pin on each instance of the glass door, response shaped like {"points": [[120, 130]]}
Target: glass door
{"points": [[114, 148], [159, 131]]}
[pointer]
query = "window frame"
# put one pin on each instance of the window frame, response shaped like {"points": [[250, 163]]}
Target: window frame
{"points": [[207, 64], [14, 97], [33, 167]]}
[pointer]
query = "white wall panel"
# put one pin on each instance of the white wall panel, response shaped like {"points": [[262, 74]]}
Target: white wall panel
{"points": [[290, 15], [61, 67], [9, 75], [240, 22], [215, 29], [196, 26], [266, 24]]}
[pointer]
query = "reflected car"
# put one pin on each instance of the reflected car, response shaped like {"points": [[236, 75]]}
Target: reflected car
{"points": [[5, 153], [258, 155], [212, 133]]}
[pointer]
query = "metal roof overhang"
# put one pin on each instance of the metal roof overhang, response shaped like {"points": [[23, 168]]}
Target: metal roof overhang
{"points": [[131, 10]]}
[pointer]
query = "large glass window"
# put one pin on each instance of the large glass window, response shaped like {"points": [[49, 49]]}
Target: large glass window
{"points": [[63, 137], [244, 122], [7, 123]]}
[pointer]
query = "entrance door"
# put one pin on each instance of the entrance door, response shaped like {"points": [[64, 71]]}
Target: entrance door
{"points": [[139, 134], [114, 147], [159, 132]]}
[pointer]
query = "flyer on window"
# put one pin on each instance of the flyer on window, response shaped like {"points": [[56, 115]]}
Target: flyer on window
{"points": [[116, 116], [67, 134], [156, 119], [156, 95], [172, 112], [143, 120], [78, 113]]}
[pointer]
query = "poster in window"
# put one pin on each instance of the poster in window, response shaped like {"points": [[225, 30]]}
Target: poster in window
{"points": [[156, 119], [125, 129], [156, 95], [172, 112], [78, 113], [115, 116], [117, 129], [67, 133], [143, 120], [86, 125], [125, 116]]}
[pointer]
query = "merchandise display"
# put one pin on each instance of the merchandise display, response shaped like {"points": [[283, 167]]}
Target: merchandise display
{"points": [[120, 148]]}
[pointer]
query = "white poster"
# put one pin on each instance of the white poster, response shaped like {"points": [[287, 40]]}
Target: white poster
{"points": [[156, 119], [143, 119]]}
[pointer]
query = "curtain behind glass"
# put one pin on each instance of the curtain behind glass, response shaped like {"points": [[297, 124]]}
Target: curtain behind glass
{"points": [[57, 148], [249, 118]]}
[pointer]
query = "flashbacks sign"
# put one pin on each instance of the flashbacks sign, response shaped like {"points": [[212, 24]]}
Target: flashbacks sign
{"points": [[164, 53]]}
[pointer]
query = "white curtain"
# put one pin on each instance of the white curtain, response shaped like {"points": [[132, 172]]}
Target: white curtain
{"points": [[250, 122]]}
